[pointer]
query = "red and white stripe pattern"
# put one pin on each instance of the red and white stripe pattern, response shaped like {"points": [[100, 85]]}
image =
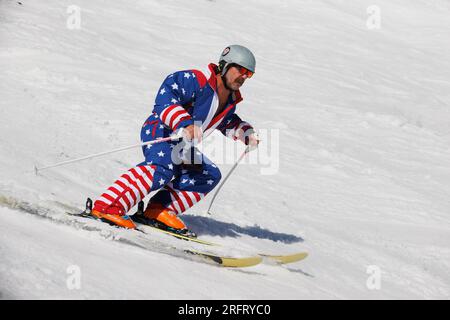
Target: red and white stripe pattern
{"points": [[182, 200], [129, 189], [172, 115], [239, 131]]}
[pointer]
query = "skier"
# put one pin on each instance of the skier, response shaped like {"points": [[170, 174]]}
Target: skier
{"points": [[197, 103]]}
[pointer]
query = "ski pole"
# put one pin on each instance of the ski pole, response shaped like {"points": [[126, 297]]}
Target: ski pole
{"points": [[174, 137], [227, 176]]}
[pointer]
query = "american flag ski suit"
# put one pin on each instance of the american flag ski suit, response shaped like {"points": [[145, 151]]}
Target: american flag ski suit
{"points": [[184, 97]]}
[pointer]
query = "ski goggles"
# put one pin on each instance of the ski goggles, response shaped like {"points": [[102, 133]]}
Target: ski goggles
{"points": [[244, 71]]}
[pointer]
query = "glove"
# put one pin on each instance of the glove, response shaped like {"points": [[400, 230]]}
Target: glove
{"points": [[252, 141], [193, 134]]}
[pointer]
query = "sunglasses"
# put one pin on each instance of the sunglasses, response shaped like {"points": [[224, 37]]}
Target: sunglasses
{"points": [[244, 71]]}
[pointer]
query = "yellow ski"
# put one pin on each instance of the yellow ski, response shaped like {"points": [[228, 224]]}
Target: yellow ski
{"points": [[284, 259], [238, 262]]}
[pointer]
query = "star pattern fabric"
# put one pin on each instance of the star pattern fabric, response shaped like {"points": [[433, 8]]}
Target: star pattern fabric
{"points": [[183, 96]]}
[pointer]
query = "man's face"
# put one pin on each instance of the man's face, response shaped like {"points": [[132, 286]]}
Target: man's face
{"points": [[234, 78]]}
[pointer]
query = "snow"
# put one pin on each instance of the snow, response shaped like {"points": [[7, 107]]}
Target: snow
{"points": [[362, 177]]}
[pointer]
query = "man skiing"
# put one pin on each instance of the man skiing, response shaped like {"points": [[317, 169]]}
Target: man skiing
{"points": [[196, 103]]}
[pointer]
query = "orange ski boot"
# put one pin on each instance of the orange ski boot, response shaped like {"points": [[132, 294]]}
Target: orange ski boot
{"points": [[113, 215], [163, 218]]}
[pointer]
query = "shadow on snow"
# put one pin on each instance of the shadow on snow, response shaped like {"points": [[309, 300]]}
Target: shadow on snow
{"points": [[209, 226]]}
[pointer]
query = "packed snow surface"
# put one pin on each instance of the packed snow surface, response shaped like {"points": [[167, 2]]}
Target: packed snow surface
{"points": [[353, 105]]}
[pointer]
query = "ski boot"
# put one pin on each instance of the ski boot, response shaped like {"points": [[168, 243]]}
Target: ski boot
{"points": [[162, 218], [112, 215]]}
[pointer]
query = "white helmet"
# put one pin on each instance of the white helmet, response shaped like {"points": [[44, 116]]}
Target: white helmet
{"points": [[236, 54]]}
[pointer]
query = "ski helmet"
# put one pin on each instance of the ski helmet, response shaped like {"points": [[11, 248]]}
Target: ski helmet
{"points": [[239, 55]]}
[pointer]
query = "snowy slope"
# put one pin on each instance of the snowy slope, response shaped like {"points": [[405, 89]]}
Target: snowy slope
{"points": [[363, 119]]}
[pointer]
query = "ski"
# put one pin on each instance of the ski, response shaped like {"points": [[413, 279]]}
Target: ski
{"points": [[279, 259], [230, 262], [179, 236], [285, 259], [220, 260]]}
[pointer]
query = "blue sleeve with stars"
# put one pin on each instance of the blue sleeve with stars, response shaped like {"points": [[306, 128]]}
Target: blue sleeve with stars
{"points": [[175, 95]]}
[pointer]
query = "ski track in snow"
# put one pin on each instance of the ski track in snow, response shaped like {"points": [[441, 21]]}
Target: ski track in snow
{"points": [[363, 118]]}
